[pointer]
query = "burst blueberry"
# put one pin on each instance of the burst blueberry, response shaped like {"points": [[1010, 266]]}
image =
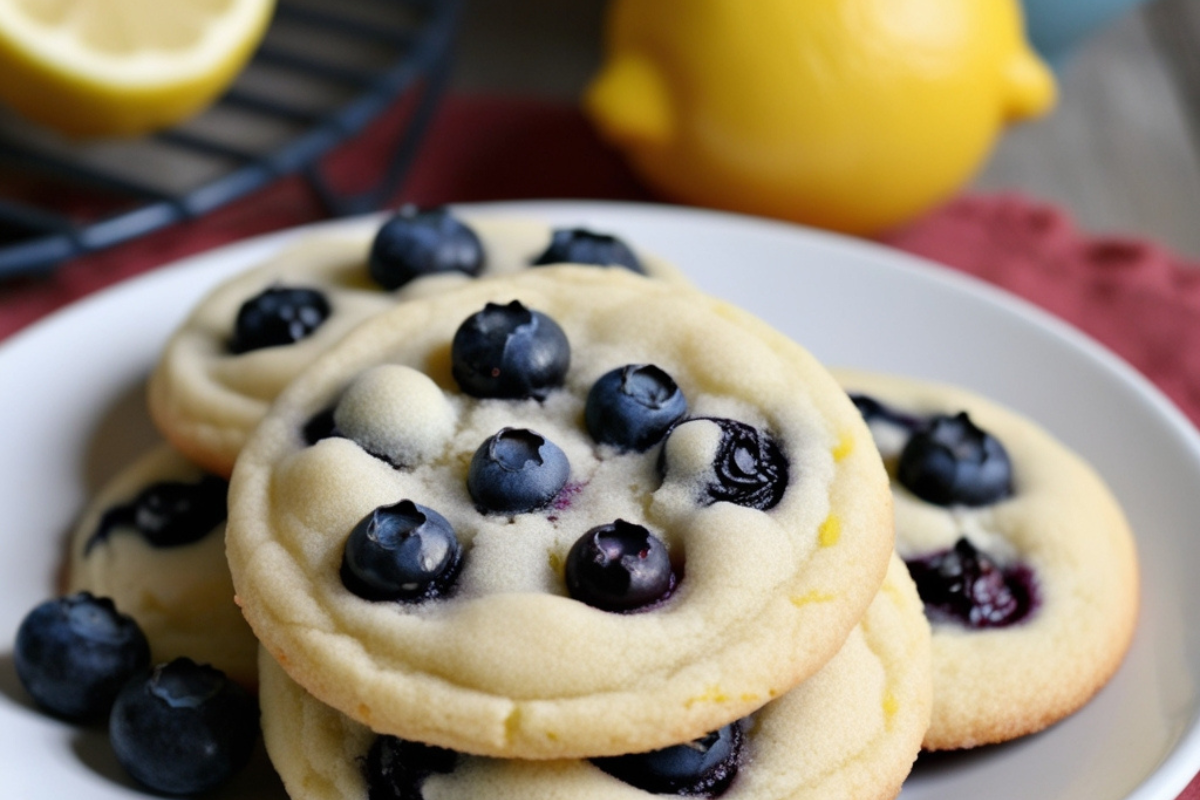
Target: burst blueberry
{"points": [[701, 768], [619, 567], [633, 407], [509, 351], [516, 471], [395, 768], [749, 467], [402, 552], [168, 513], [964, 585], [582, 246], [183, 728], [278, 316], [950, 461], [74, 653], [415, 242]]}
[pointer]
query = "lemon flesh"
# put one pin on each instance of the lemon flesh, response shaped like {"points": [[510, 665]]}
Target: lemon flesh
{"points": [[122, 67]]}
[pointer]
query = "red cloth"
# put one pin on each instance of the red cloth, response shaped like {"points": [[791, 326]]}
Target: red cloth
{"points": [[1133, 296]]}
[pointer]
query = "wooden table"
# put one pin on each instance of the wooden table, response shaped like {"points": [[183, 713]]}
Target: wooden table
{"points": [[1121, 151]]}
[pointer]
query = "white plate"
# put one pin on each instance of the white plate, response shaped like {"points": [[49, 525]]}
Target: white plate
{"points": [[71, 413]]}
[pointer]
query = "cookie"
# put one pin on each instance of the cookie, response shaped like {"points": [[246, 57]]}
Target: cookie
{"points": [[153, 540], [253, 333], [850, 731], [1021, 553], [457, 527]]}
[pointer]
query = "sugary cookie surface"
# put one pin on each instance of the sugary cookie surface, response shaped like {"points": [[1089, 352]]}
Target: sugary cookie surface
{"points": [[1022, 555], [153, 540], [850, 731], [253, 333], [433, 546]]}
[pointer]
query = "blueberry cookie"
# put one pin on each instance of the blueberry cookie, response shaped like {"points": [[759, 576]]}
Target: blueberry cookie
{"points": [[1022, 555], [256, 331], [850, 731], [153, 540], [566, 513]]}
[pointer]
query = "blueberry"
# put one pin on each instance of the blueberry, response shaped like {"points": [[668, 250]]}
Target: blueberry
{"points": [[952, 462], [515, 471], [278, 316], [319, 426], [619, 567], [168, 513], [749, 467], [580, 246], [414, 243], [873, 410], [701, 768], [510, 352], [394, 768], [73, 654], [964, 585], [633, 407], [401, 552], [183, 728]]}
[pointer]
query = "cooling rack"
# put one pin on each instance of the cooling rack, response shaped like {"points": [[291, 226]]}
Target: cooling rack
{"points": [[325, 70]]}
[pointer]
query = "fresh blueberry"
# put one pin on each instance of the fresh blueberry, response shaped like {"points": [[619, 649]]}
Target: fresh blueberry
{"points": [[515, 471], [701, 768], [401, 552], [183, 728], [73, 654], [580, 246], [633, 407], [749, 467], [415, 242], [952, 462], [394, 768], [619, 567], [278, 316], [964, 585], [510, 352], [168, 513]]}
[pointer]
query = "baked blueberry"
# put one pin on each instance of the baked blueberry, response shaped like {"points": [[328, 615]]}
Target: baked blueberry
{"points": [[415, 242], [515, 471], [701, 768], [749, 468], [581, 246], [619, 567], [633, 407], [278, 316], [320, 426], [509, 351], [401, 552], [74, 653], [950, 461], [168, 513], [964, 585], [183, 728], [395, 768]]}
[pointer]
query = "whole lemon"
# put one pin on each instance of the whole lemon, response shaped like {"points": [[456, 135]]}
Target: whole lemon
{"points": [[853, 115]]}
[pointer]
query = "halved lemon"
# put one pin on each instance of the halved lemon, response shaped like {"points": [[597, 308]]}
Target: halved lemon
{"points": [[122, 67]]}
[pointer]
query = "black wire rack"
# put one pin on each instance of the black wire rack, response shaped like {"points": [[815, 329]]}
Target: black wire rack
{"points": [[325, 70]]}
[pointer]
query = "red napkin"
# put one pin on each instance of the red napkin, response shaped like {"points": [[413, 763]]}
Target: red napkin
{"points": [[1137, 298]]}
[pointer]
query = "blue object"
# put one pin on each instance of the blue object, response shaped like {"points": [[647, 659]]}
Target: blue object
{"points": [[1056, 26]]}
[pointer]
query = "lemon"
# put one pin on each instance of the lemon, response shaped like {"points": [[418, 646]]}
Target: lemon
{"points": [[122, 67], [853, 115]]}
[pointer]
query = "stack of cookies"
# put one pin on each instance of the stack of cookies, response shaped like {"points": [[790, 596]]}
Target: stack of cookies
{"points": [[583, 531]]}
